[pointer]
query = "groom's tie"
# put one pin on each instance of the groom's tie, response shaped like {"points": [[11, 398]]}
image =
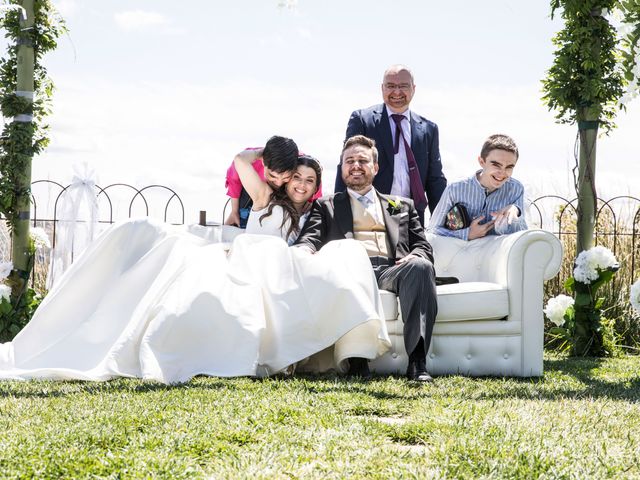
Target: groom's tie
{"points": [[366, 201], [417, 190]]}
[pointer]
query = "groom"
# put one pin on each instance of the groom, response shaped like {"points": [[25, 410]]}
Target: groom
{"points": [[390, 230]]}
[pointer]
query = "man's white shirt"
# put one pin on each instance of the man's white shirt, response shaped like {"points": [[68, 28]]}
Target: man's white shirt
{"points": [[401, 185]]}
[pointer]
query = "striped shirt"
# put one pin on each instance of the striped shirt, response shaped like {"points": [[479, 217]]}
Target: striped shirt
{"points": [[479, 203]]}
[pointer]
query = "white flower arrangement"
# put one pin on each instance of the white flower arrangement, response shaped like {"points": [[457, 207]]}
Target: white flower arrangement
{"points": [[625, 33], [557, 307], [5, 269], [591, 262], [5, 292], [635, 296], [40, 238]]}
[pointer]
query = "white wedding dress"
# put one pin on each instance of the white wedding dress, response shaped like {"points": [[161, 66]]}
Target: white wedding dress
{"points": [[163, 302]]}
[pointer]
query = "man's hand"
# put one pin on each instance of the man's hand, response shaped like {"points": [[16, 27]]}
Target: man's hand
{"points": [[307, 207], [478, 231], [406, 259], [505, 217], [233, 219]]}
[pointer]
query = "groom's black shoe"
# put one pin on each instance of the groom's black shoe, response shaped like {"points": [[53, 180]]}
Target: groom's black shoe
{"points": [[359, 367], [417, 371]]}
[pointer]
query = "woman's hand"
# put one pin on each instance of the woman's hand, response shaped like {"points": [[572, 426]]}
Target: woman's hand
{"points": [[250, 155]]}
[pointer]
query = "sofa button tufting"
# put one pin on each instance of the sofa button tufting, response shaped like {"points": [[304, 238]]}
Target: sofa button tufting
{"points": [[432, 355], [468, 356], [394, 355], [506, 355]]}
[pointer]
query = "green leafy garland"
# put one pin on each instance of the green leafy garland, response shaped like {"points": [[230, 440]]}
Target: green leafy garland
{"points": [[19, 141], [595, 71], [587, 73]]}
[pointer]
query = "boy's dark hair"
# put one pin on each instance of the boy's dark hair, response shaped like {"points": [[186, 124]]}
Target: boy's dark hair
{"points": [[499, 141], [280, 154], [363, 141]]}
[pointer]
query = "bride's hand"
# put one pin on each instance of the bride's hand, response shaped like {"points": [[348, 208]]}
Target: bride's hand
{"points": [[250, 155]]}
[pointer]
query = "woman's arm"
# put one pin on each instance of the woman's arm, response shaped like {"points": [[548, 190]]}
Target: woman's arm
{"points": [[259, 191]]}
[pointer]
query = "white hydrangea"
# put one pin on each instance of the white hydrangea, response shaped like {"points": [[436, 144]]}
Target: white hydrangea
{"points": [[40, 238], [557, 307], [590, 262], [635, 296], [5, 292], [5, 269]]}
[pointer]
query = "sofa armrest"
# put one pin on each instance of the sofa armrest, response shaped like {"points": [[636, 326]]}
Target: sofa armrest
{"points": [[498, 259], [534, 256], [530, 252]]}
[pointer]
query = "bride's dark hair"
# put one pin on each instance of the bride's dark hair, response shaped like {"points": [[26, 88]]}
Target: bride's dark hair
{"points": [[280, 197]]}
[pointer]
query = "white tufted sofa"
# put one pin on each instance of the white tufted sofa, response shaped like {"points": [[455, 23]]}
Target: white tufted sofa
{"points": [[491, 323]]}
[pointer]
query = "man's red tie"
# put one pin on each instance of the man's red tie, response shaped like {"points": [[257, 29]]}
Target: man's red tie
{"points": [[417, 189]]}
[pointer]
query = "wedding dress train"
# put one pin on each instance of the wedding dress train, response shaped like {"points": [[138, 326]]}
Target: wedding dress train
{"points": [[164, 302]]}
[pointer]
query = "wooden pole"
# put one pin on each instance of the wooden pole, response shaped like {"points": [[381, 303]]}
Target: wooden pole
{"points": [[25, 85]]}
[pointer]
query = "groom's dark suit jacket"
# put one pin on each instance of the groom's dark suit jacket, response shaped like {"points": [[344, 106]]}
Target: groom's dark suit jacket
{"points": [[332, 219], [373, 122]]}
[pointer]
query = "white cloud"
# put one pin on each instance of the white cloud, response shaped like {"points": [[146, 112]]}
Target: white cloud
{"points": [[139, 20], [304, 32]]}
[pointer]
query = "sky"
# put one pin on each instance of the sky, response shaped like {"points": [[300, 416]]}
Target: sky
{"points": [[165, 92]]}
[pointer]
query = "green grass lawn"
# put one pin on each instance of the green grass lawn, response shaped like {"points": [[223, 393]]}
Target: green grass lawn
{"points": [[581, 420]]}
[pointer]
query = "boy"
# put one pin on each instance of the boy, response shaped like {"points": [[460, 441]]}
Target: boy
{"points": [[275, 167], [492, 199]]}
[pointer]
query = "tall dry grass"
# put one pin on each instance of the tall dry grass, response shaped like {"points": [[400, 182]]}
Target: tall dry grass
{"points": [[618, 230]]}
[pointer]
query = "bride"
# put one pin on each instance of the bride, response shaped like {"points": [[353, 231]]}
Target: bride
{"points": [[165, 303]]}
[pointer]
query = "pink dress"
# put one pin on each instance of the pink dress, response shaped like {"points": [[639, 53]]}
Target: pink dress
{"points": [[234, 185]]}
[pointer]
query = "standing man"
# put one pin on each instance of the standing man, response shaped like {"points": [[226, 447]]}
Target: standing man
{"points": [[390, 230], [408, 144]]}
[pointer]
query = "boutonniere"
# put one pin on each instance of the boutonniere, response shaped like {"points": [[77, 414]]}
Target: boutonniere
{"points": [[394, 206]]}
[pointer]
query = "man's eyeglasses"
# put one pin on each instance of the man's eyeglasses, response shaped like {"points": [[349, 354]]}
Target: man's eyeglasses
{"points": [[405, 87]]}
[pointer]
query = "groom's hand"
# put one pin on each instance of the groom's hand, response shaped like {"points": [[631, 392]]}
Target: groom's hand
{"points": [[406, 259]]}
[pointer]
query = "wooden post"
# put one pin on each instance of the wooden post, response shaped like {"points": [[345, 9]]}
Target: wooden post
{"points": [[25, 82]]}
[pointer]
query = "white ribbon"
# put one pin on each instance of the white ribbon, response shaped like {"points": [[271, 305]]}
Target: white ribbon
{"points": [[77, 226]]}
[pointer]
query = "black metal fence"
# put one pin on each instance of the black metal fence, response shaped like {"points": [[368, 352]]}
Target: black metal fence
{"points": [[617, 219], [115, 202], [158, 201], [617, 225]]}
